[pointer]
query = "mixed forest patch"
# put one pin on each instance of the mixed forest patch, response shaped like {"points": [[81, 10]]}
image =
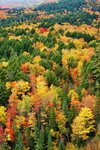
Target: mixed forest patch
{"points": [[50, 78]]}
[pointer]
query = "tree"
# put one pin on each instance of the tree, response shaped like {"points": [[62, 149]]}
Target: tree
{"points": [[61, 31], [51, 78], [19, 143], [32, 31], [83, 124], [20, 32], [36, 135], [98, 27], [42, 140], [72, 62], [97, 108], [71, 45], [2, 114], [52, 121], [50, 144], [65, 107], [88, 101], [61, 147], [96, 68], [57, 57]]}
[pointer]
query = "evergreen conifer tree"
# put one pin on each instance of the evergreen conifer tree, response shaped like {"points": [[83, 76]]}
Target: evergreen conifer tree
{"points": [[61, 147], [50, 144], [19, 145]]}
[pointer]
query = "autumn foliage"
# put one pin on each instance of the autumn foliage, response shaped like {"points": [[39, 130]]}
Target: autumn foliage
{"points": [[49, 85]]}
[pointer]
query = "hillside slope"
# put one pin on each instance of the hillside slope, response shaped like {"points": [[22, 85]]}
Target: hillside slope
{"points": [[50, 77]]}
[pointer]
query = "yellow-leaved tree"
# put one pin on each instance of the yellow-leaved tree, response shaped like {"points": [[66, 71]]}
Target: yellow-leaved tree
{"points": [[83, 124], [2, 114]]}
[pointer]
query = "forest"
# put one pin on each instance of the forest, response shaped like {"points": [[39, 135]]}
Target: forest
{"points": [[50, 77]]}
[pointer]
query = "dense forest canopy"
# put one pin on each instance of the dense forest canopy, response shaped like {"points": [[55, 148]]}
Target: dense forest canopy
{"points": [[61, 11], [50, 76]]}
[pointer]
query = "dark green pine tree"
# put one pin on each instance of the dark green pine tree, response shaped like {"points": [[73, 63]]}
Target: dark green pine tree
{"points": [[98, 26], [86, 70], [96, 68], [72, 114], [97, 108], [52, 122], [19, 145], [65, 107], [42, 140], [50, 144], [61, 146], [32, 31], [46, 133], [29, 138], [36, 137]]}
